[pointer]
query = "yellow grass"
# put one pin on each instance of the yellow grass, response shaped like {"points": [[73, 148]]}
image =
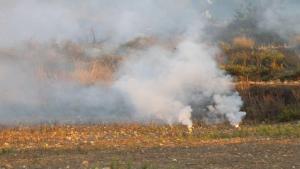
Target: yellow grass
{"points": [[94, 72], [137, 135], [243, 42]]}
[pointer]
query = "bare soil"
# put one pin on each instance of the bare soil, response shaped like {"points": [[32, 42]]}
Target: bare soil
{"points": [[254, 154], [149, 147]]}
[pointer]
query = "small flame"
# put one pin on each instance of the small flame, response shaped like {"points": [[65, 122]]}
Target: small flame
{"points": [[190, 129], [237, 126]]}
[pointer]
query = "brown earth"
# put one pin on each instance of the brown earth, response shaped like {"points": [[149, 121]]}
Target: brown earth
{"points": [[150, 146], [253, 154]]}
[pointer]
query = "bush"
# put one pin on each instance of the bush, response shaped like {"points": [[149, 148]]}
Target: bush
{"points": [[289, 113], [270, 103], [260, 64]]}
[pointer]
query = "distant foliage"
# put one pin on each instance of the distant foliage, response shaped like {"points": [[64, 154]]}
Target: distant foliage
{"points": [[246, 23], [295, 40], [246, 61]]}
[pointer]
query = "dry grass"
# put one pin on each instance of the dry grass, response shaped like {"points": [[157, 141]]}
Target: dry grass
{"points": [[86, 72], [243, 42], [118, 146], [93, 73], [141, 42], [135, 135], [270, 101]]}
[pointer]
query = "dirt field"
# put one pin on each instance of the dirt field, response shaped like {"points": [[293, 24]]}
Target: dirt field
{"points": [[242, 155], [135, 146]]}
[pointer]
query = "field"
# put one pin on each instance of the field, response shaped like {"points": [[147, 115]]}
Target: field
{"points": [[150, 146], [269, 137], [178, 84]]}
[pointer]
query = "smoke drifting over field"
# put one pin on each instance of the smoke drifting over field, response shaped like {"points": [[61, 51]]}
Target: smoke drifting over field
{"points": [[110, 61]]}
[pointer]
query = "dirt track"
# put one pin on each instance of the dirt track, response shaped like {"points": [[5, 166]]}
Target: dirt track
{"points": [[253, 154]]}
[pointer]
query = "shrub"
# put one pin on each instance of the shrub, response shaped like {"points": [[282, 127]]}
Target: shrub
{"points": [[271, 103], [290, 113]]}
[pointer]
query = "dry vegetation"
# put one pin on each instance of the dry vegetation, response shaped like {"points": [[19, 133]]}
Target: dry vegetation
{"points": [[243, 42], [84, 63], [135, 135], [270, 102], [100, 145], [101, 70], [127, 146], [295, 40]]}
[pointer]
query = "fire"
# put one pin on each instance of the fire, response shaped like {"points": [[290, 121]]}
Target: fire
{"points": [[190, 129]]}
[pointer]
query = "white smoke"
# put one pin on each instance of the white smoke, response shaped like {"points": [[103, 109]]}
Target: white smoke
{"points": [[159, 82], [162, 84], [281, 17]]}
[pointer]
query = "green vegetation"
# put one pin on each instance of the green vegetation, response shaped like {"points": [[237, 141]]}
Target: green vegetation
{"points": [[260, 64], [271, 103], [289, 113], [251, 52]]}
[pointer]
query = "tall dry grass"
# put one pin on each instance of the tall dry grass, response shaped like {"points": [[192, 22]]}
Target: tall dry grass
{"points": [[270, 103], [93, 73], [243, 42], [70, 61]]}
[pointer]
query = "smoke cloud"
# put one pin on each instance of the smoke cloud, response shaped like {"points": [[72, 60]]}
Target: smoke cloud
{"points": [[281, 17], [52, 67]]}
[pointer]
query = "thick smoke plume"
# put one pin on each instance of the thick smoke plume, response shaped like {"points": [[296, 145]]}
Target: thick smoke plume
{"points": [[110, 61]]}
